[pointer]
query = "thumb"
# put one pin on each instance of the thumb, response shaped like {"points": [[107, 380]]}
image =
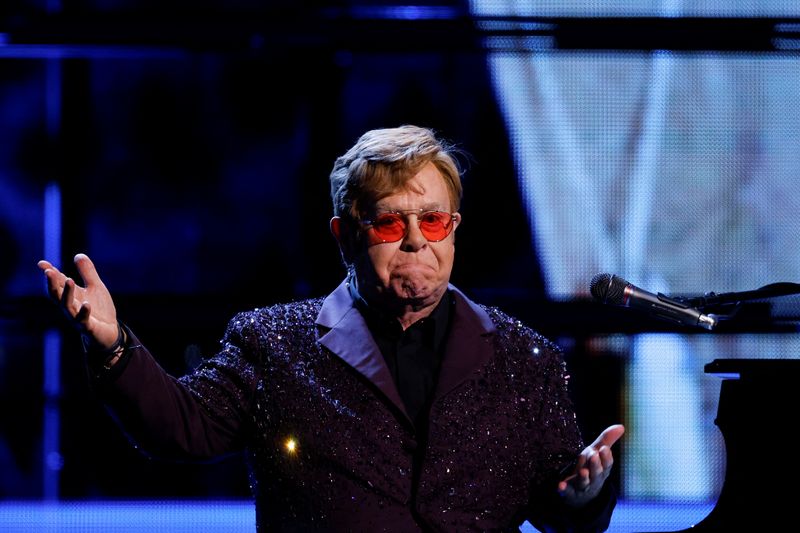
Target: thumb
{"points": [[87, 270]]}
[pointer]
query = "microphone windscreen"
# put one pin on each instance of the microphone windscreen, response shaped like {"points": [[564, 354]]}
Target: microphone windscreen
{"points": [[608, 288]]}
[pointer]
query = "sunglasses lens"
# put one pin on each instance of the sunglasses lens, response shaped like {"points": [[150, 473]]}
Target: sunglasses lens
{"points": [[389, 227], [435, 225]]}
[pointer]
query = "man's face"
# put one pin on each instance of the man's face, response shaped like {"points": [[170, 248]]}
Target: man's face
{"points": [[412, 271]]}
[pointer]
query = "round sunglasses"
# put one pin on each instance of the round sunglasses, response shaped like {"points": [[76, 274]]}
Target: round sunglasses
{"points": [[393, 226]]}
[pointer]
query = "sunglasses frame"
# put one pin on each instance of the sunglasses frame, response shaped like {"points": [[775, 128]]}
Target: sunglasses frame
{"points": [[419, 212]]}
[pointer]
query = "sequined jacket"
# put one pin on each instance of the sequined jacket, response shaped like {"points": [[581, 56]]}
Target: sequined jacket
{"points": [[303, 388]]}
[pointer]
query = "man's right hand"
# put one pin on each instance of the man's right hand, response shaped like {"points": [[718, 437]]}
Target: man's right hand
{"points": [[90, 308]]}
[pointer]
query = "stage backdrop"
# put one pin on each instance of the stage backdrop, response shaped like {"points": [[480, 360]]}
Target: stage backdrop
{"points": [[191, 161]]}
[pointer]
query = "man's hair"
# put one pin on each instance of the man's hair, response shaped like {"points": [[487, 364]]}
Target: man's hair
{"points": [[383, 161]]}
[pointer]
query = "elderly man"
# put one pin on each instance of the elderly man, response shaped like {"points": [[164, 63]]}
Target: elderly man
{"points": [[393, 404]]}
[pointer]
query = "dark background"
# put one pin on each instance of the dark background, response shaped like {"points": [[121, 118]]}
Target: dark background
{"points": [[191, 143]]}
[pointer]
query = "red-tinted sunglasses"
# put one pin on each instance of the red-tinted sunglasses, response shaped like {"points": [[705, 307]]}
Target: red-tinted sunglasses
{"points": [[393, 226]]}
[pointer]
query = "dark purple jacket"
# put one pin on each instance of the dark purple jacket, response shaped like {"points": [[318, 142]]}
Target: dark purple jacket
{"points": [[303, 388]]}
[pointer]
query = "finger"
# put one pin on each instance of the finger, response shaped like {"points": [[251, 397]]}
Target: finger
{"points": [[50, 271], [569, 478], [66, 291], [68, 297], [87, 270], [596, 469], [45, 265], [83, 313], [606, 457], [595, 458], [584, 479], [609, 436], [579, 481], [54, 283]]}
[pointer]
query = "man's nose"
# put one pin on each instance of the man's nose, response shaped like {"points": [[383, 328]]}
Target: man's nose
{"points": [[414, 239]]}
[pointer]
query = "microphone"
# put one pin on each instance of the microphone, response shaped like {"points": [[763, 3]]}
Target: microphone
{"points": [[611, 289]]}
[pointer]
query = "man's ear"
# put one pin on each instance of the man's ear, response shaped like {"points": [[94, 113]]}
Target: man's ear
{"points": [[456, 223], [343, 237], [336, 229]]}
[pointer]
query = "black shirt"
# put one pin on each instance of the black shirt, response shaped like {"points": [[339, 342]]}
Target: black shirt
{"points": [[413, 355]]}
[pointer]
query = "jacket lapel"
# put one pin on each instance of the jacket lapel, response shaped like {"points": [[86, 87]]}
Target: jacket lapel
{"points": [[345, 333], [469, 344]]}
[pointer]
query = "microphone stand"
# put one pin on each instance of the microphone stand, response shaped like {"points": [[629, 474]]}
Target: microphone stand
{"points": [[750, 309]]}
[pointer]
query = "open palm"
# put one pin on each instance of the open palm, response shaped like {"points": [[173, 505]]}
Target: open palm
{"points": [[90, 308]]}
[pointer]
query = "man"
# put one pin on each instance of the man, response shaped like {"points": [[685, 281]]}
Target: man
{"points": [[394, 404]]}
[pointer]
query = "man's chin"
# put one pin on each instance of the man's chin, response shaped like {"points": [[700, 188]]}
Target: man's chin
{"points": [[417, 295]]}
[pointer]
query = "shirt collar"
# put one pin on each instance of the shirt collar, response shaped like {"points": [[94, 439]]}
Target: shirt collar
{"points": [[438, 319]]}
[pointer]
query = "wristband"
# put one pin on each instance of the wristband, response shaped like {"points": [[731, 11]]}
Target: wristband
{"points": [[111, 355]]}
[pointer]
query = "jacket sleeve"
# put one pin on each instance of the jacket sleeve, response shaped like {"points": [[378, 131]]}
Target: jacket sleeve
{"points": [[557, 517], [200, 416], [562, 443]]}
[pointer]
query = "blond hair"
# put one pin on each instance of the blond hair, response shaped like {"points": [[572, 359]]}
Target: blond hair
{"points": [[383, 161]]}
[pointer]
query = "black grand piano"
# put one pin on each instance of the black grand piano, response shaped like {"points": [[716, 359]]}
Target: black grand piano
{"points": [[759, 407], [758, 410]]}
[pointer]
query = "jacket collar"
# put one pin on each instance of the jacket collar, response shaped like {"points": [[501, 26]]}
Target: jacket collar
{"points": [[344, 332]]}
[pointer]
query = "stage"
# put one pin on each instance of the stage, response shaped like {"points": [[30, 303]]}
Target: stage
{"points": [[239, 516]]}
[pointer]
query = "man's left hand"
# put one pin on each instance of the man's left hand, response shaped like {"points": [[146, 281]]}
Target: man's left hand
{"points": [[593, 467]]}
